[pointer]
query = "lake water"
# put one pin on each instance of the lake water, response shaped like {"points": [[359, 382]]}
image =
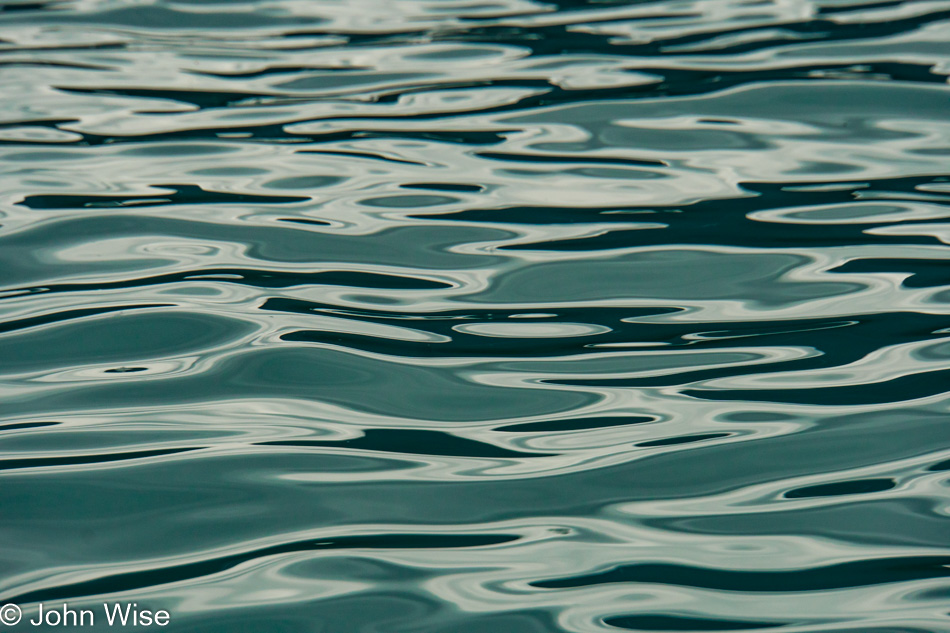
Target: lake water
{"points": [[477, 316]]}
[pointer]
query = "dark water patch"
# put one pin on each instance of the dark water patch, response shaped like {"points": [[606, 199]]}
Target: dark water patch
{"points": [[727, 220], [26, 425], [445, 186], [940, 466], [758, 416], [924, 273], [725, 226], [417, 441], [277, 70], [840, 343], [443, 321], [257, 278], [10, 7], [269, 279], [361, 155], [447, 318], [716, 221], [575, 424], [460, 345], [356, 81], [860, 573], [548, 158], [460, 137], [199, 98], [74, 460], [682, 623], [638, 238], [152, 143], [180, 194], [530, 215], [559, 40], [684, 439], [919, 385], [939, 593], [109, 46], [832, 9], [856, 487], [309, 221]]}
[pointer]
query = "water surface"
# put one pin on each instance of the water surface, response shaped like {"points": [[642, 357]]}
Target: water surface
{"points": [[431, 316]]}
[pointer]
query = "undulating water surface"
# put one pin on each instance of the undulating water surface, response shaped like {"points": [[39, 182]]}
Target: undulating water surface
{"points": [[476, 316]]}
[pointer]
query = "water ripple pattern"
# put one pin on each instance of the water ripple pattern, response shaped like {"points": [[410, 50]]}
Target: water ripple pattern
{"points": [[431, 316]]}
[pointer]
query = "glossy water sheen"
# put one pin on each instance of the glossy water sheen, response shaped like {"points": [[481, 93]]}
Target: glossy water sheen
{"points": [[465, 316]]}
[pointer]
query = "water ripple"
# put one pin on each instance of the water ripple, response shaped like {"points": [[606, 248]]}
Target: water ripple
{"points": [[427, 315]]}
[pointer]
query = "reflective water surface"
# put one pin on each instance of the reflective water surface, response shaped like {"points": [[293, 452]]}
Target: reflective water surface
{"points": [[431, 316]]}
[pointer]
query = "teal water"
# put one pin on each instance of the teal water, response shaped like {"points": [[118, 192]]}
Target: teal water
{"points": [[477, 316]]}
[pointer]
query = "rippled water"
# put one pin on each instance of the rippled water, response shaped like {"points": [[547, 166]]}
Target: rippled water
{"points": [[466, 316]]}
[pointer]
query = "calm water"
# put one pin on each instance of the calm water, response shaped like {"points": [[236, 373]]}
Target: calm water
{"points": [[465, 316]]}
